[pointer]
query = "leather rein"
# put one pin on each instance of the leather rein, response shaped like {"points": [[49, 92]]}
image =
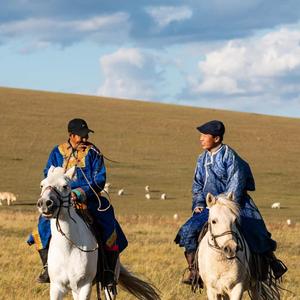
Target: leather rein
{"points": [[218, 248], [61, 198]]}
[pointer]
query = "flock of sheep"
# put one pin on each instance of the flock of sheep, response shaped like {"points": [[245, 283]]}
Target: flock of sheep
{"points": [[121, 192], [11, 197]]}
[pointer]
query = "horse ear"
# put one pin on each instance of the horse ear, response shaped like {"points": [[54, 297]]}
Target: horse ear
{"points": [[50, 170], [230, 196], [210, 200], [70, 173]]}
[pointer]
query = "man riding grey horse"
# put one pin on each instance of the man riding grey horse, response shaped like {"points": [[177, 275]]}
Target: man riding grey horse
{"points": [[89, 180], [220, 170]]}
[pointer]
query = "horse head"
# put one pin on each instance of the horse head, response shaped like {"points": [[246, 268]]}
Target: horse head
{"points": [[223, 214], [56, 191]]}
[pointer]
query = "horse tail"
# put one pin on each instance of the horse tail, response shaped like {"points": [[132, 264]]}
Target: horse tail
{"points": [[141, 289]]}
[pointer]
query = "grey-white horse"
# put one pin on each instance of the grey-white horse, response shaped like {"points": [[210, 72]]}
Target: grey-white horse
{"points": [[73, 254], [224, 256]]}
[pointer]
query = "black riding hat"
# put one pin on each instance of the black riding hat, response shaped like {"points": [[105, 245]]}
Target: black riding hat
{"points": [[79, 127], [215, 128]]}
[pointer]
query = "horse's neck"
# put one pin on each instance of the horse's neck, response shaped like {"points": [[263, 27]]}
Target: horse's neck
{"points": [[70, 229]]}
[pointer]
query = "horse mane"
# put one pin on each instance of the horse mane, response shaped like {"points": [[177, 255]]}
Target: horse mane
{"points": [[234, 207]]}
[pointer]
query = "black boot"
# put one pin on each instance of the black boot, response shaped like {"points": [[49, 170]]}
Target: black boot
{"points": [[44, 276], [109, 278], [192, 277], [111, 258], [277, 266]]}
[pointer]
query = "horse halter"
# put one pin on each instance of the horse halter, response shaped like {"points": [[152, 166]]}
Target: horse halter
{"points": [[60, 197], [216, 245]]}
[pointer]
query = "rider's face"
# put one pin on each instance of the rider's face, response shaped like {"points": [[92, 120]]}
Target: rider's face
{"points": [[77, 140], [209, 141]]}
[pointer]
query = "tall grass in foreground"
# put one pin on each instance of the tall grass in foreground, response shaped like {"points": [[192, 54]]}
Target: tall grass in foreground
{"points": [[151, 254]]}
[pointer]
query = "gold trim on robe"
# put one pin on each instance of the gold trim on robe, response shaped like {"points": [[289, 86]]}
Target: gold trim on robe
{"points": [[70, 160]]}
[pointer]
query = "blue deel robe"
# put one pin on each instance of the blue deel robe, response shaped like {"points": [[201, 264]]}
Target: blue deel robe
{"points": [[223, 172], [90, 175]]}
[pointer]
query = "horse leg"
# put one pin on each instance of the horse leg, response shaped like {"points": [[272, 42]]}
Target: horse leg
{"points": [[110, 294], [55, 292], [84, 292], [211, 294], [237, 292]]}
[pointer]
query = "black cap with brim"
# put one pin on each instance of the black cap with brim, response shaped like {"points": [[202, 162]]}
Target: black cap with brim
{"points": [[215, 128], [79, 127]]}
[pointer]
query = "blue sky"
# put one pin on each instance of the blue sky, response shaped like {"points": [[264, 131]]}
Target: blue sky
{"points": [[227, 54]]}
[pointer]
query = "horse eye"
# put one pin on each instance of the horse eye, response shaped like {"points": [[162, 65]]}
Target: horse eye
{"points": [[41, 186], [214, 221], [65, 187]]}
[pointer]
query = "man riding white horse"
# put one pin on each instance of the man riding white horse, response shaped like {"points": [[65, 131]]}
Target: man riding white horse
{"points": [[86, 186], [220, 170]]}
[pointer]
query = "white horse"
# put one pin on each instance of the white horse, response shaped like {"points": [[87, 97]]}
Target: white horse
{"points": [[73, 250], [224, 256]]}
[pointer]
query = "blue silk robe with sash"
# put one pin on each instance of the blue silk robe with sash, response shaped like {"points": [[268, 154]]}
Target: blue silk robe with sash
{"points": [[223, 172], [90, 175]]}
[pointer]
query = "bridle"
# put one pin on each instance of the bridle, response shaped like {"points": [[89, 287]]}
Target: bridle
{"points": [[218, 248], [63, 200]]}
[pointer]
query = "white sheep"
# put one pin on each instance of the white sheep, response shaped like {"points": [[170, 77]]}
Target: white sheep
{"points": [[275, 205], [163, 196], [106, 187], [289, 222], [147, 188], [175, 217], [121, 192], [8, 196], [147, 196]]}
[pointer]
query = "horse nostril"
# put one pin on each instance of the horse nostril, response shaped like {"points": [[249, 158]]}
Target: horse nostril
{"points": [[39, 203], [49, 203]]}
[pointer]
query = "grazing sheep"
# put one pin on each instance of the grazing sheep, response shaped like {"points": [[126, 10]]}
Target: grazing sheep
{"points": [[106, 187], [163, 196], [121, 192], [276, 205], [289, 222], [147, 188], [147, 196], [175, 217], [8, 196]]}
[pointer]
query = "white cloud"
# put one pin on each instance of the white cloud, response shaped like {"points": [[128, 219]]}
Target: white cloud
{"points": [[257, 74], [253, 65], [164, 15], [65, 31], [130, 73]]}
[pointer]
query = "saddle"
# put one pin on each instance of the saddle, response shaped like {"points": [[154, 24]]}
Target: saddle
{"points": [[106, 259]]}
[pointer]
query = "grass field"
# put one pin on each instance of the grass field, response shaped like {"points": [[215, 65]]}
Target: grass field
{"points": [[156, 145]]}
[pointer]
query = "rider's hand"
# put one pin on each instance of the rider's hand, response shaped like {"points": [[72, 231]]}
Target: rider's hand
{"points": [[198, 210], [74, 197]]}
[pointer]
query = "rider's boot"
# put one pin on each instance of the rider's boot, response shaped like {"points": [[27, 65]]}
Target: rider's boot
{"points": [[44, 276], [192, 275], [277, 266], [111, 258]]}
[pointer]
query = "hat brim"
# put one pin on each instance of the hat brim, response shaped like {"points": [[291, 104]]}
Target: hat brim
{"points": [[83, 132], [202, 130]]}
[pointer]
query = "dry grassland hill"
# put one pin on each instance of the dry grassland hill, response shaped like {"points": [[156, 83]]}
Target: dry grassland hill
{"points": [[154, 144]]}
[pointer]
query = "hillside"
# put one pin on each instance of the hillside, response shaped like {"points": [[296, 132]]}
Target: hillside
{"points": [[155, 144]]}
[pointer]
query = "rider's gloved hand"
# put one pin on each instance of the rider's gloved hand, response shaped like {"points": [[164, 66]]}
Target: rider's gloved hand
{"points": [[74, 197]]}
